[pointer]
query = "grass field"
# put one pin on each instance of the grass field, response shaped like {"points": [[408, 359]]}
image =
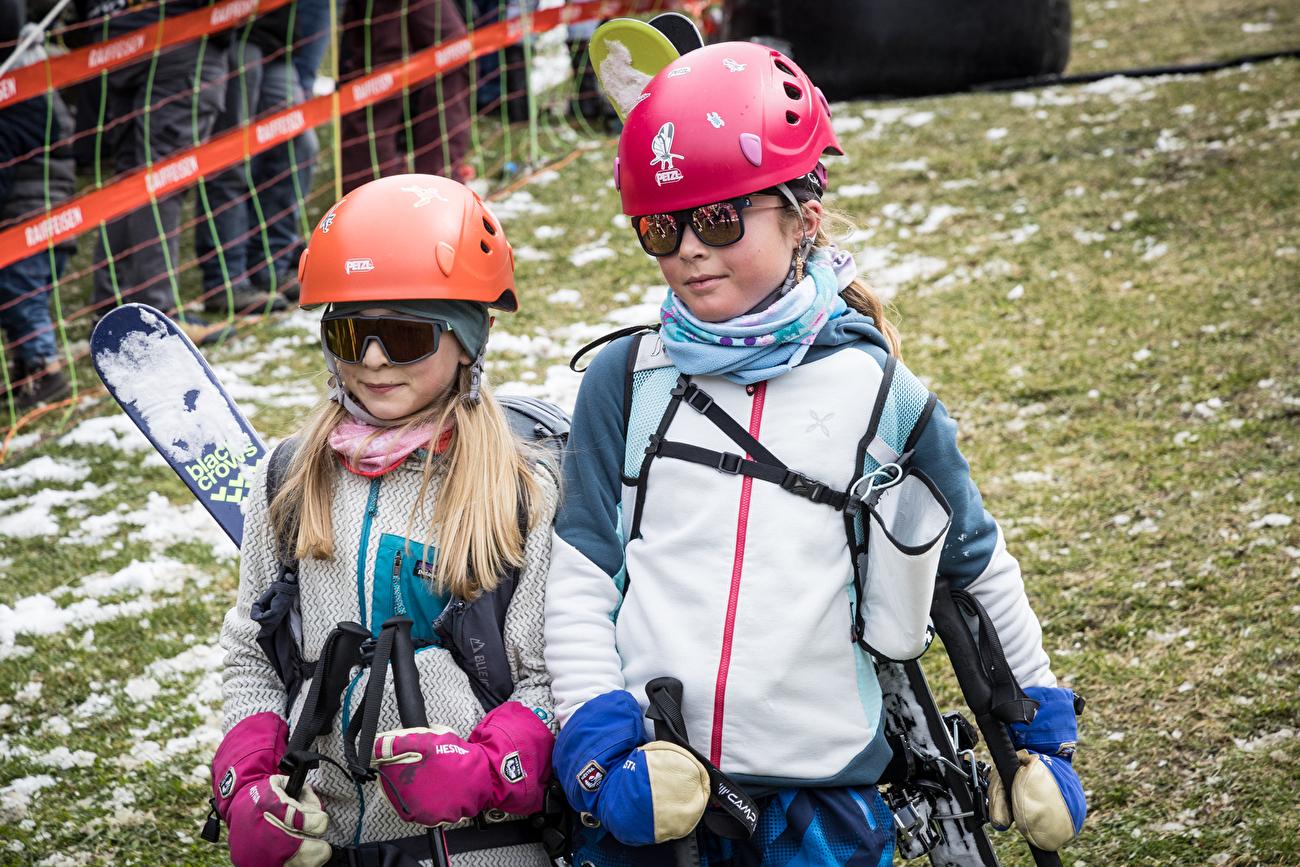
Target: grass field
{"points": [[1100, 283]]}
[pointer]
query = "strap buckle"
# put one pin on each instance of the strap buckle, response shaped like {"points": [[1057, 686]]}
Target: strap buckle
{"points": [[729, 463], [656, 442], [802, 486], [692, 392]]}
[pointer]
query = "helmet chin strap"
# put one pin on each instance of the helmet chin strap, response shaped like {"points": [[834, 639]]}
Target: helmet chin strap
{"points": [[805, 246], [473, 397]]}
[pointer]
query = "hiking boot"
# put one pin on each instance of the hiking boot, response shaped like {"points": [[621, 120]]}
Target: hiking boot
{"points": [[247, 301], [48, 385]]}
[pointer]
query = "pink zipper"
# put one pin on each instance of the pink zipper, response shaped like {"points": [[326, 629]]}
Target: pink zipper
{"points": [[720, 692]]}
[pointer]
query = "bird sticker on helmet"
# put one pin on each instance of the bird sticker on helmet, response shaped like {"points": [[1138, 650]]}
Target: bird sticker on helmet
{"points": [[353, 265], [328, 219], [733, 66], [662, 147], [591, 776], [716, 119], [426, 195]]}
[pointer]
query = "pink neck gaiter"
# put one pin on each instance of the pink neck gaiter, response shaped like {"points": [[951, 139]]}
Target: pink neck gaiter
{"points": [[386, 450]]}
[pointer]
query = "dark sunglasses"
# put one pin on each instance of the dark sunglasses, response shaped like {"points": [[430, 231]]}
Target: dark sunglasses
{"points": [[403, 340], [717, 225]]}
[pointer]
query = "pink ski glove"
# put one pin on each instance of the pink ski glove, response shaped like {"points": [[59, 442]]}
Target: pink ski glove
{"points": [[267, 827], [441, 777]]}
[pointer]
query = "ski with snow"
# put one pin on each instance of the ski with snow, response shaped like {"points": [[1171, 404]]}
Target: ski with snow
{"points": [[165, 386]]}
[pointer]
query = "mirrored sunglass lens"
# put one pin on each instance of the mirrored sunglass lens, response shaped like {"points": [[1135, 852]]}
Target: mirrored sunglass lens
{"points": [[658, 233], [407, 341], [718, 224], [342, 340]]}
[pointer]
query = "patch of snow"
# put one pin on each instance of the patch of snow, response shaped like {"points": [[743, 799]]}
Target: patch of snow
{"points": [[545, 233], [1273, 519], [1264, 741], [518, 204], [918, 118], [529, 253], [1017, 292], [917, 165], [544, 178], [846, 124], [853, 191], [572, 297], [1031, 477], [935, 218], [45, 469], [594, 251], [1256, 27], [997, 133], [35, 519], [117, 431]]}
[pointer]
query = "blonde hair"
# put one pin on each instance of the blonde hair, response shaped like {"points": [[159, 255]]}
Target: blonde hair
{"points": [[485, 479], [859, 295]]}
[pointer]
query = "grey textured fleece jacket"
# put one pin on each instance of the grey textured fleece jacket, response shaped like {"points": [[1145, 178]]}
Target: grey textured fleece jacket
{"points": [[370, 522]]}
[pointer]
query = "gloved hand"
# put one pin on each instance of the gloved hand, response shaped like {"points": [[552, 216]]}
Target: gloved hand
{"points": [[641, 791], [267, 828], [441, 777], [1046, 795]]}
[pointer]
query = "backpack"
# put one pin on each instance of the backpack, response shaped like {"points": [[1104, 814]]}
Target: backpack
{"points": [[655, 390]]}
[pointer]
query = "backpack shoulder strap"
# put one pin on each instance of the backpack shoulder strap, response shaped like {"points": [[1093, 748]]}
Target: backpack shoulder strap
{"points": [[901, 412], [277, 468]]}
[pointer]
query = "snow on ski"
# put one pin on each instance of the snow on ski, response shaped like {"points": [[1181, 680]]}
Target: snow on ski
{"points": [[164, 385]]}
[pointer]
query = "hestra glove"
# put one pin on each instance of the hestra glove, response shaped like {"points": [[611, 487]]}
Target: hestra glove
{"points": [[1046, 795], [432, 775], [643, 792], [267, 828]]}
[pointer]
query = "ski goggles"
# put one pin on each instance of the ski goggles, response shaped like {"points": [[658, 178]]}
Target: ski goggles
{"points": [[403, 339], [719, 224]]}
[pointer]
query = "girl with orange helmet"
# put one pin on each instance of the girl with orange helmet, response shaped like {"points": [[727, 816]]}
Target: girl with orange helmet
{"points": [[405, 495], [718, 489]]}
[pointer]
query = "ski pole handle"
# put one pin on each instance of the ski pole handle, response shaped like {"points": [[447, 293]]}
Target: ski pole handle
{"points": [[978, 692], [406, 679]]}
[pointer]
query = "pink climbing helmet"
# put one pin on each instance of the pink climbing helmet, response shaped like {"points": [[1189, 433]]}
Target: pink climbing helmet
{"points": [[719, 122]]}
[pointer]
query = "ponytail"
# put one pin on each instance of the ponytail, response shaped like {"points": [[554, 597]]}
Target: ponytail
{"points": [[859, 295]]}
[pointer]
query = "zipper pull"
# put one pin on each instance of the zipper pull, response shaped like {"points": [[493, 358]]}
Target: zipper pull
{"points": [[399, 607]]}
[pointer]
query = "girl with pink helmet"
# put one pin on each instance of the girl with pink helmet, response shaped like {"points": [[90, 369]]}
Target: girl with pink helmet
{"points": [[723, 475]]}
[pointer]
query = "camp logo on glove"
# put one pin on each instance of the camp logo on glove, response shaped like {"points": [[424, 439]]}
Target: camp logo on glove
{"points": [[591, 776], [228, 783], [512, 768]]}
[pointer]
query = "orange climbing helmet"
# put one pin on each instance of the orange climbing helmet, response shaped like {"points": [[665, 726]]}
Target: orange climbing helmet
{"points": [[409, 237]]}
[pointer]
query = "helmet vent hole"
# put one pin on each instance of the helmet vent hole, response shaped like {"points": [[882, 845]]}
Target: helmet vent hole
{"points": [[781, 66], [491, 229], [791, 118], [484, 246], [792, 91]]}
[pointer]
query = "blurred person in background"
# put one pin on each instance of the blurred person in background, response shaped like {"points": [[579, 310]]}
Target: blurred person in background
{"points": [[254, 205], [25, 162], [151, 110], [377, 32]]}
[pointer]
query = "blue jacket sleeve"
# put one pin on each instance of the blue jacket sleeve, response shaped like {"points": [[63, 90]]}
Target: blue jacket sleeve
{"points": [[593, 462]]}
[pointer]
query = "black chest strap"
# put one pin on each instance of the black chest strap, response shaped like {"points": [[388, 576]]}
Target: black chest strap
{"points": [[760, 463]]}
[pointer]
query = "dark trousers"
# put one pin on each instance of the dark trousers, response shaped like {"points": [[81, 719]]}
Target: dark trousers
{"points": [[438, 139], [137, 255]]}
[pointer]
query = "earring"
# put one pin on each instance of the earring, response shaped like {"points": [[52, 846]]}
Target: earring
{"points": [[798, 267]]}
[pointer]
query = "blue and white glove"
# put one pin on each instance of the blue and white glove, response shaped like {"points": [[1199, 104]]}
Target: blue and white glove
{"points": [[642, 791], [1046, 794]]}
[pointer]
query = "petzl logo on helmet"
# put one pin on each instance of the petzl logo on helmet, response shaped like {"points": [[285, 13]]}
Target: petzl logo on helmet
{"points": [[591, 776], [352, 265], [426, 194], [662, 147], [512, 768], [733, 66]]}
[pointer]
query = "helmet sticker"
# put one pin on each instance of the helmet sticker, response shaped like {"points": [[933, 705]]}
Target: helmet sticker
{"points": [[426, 194], [714, 118], [358, 265], [328, 219], [662, 147], [732, 65], [677, 72]]}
